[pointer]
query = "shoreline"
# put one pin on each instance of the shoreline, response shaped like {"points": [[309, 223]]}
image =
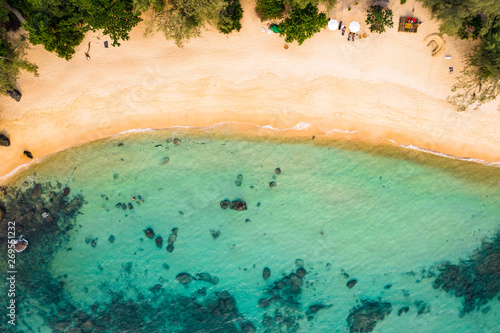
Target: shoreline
{"points": [[385, 87]]}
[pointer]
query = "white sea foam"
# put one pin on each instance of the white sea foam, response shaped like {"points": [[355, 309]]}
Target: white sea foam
{"points": [[301, 126], [336, 130]]}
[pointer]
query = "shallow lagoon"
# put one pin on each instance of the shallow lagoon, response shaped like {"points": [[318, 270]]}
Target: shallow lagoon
{"points": [[385, 217]]}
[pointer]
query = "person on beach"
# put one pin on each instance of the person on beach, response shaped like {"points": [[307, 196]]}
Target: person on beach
{"points": [[343, 30], [451, 69], [349, 38]]}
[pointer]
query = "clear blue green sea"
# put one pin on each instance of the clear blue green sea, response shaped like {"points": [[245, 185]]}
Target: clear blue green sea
{"points": [[335, 237]]}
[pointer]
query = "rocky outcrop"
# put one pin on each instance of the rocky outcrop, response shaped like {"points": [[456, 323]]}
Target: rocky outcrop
{"points": [[364, 317], [4, 141], [15, 94]]}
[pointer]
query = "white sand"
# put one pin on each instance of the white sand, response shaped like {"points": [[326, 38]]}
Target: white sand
{"points": [[383, 87]]}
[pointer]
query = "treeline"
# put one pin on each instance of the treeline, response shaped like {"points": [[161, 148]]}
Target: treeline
{"points": [[473, 19]]}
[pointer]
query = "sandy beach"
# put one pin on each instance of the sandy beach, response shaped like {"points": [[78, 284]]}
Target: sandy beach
{"points": [[380, 88]]}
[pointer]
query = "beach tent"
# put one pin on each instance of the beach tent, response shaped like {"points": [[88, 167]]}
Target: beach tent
{"points": [[333, 25], [275, 28], [354, 26]]}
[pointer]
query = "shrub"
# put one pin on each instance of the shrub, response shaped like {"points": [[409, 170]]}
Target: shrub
{"points": [[270, 9], [230, 17], [303, 24]]}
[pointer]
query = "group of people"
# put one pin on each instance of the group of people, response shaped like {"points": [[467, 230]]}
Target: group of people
{"points": [[351, 36]]}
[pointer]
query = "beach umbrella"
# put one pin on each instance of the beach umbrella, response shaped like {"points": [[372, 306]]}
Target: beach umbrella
{"points": [[354, 26], [333, 25]]}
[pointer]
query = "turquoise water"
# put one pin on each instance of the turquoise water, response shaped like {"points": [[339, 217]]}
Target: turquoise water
{"points": [[382, 216]]}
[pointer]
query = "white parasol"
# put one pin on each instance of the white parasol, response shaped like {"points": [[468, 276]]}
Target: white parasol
{"points": [[354, 26], [333, 25]]}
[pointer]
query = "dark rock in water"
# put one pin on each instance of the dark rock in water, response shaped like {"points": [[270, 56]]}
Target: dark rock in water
{"points": [[264, 303], [296, 280], [118, 205], [165, 160], [364, 317], [170, 248], [202, 291], [248, 221], [4, 141], [301, 272], [93, 242], [238, 205], [175, 231], [28, 154], [239, 180], [15, 94], [184, 278], [312, 309], [75, 330], [177, 141], [267, 320], [404, 309], [266, 273], [127, 267], [272, 184], [171, 239], [159, 241], [124, 206], [115, 176], [351, 283], [149, 233], [475, 279], [88, 239], [387, 286], [248, 327], [215, 233], [299, 262], [277, 171], [207, 278], [224, 204], [165, 266], [111, 239], [423, 308], [37, 191], [2, 213], [66, 191], [130, 206]]}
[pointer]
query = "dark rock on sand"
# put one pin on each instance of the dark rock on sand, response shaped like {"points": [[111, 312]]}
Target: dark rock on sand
{"points": [[15, 94], [266, 273], [364, 317], [4, 141], [351, 283], [159, 241], [111, 239], [238, 205], [170, 248], [277, 171], [272, 184], [184, 278], [301, 272], [28, 154], [224, 204], [404, 309], [149, 233], [215, 233]]}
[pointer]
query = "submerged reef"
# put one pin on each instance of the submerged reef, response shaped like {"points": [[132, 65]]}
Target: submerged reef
{"points": [[364, 317], [477, 280]]}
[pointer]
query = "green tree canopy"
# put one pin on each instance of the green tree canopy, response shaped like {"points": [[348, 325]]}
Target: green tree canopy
{"points": [[455, 15], [60, 25], [303, 24], [12, 54], [230, 17], [379, 18]]}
